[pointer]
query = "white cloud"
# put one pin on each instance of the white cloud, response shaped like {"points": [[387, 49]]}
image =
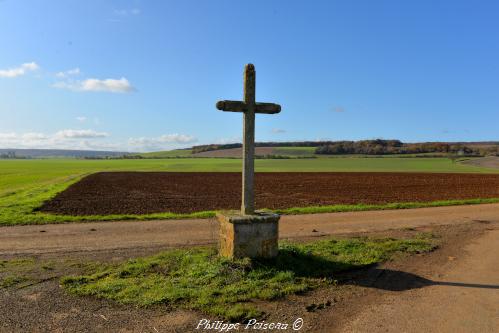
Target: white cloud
{"points": [[97, 145], [70, 72], [30, 136], [121, 86], [81, 119], [64, 139], [34, 136], [31, 66], [7, 136], [108, 85], [18, 71], [177, 138], [80, 134], [26, 140], [278, 131], [74, 71], [92, 140], [166, 141], [167, 138], [224, 141]]}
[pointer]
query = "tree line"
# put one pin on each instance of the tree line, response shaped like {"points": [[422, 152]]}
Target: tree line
{"points": [[388, 147], [373, 147], [202, 148]]}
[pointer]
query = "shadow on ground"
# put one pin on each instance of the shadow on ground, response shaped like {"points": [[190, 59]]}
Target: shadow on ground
{"points": [[367, 275], [305, 265], [392, 280]]}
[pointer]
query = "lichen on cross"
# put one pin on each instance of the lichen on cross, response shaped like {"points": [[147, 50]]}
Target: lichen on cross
{"points": [[249, 107]]}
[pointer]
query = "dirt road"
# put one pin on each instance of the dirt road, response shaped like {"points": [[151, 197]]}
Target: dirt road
{"points": [[462, 299], [101, 236]]}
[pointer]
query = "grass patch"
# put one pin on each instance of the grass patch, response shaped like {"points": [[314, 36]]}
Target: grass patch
{"points": [[198, 279], [11, 281], [15, 272], [389, 206], [17, 264], [28, 215], [24, 272]]}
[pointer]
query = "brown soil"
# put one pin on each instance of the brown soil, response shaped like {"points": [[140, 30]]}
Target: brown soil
{"points": [[151, 192]]}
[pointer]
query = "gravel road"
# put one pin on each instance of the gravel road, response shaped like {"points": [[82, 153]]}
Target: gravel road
{"points": [[99, 236]]}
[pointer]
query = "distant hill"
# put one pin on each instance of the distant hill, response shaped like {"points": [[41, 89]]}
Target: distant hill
{"points": [[65, 153], [233, 152], [307, 149], [267, 152], [362, 147], [210, 147], [167, 153]]}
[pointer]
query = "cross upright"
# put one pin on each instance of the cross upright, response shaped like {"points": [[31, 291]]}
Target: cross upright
{"points": [[249, 107]]}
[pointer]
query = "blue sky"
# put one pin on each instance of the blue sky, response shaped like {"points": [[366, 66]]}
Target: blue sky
{"points": [[145, 75]]}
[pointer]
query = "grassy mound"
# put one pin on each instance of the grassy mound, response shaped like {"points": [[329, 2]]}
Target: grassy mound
{"points": [[198, 279]]}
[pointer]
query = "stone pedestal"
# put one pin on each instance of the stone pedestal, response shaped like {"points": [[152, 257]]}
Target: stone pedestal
{"points": [[248, 235]]}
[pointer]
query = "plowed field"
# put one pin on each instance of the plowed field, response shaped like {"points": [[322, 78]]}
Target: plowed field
{"points": [[150, 192]]}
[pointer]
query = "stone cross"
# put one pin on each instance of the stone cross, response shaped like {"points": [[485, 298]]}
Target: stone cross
{"points": [[249, 107]]}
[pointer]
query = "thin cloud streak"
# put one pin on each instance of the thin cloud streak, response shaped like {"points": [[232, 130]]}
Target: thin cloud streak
{"points": [[63, 139], [19, 71], [70, 72], [278, 131], [96, 85], [163, 142]]}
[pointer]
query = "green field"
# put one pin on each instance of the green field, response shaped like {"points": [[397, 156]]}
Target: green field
{"points": [[26, 184], [294, 151]]}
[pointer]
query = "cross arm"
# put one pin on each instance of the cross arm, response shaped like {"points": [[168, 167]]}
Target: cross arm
{"points": [[232, 106], [238, 106], [269, 108]]}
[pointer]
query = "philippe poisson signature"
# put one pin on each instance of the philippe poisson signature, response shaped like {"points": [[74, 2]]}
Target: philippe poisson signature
{"points": [[252, 324]]}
